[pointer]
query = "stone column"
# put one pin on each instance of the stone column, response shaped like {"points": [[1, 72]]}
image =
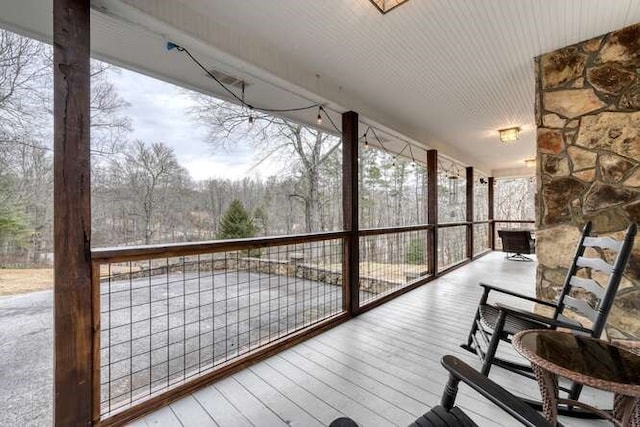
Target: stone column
{"points": [[588, 147]]}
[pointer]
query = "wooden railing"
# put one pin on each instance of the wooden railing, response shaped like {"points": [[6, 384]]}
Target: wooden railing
{"points": [[404, 276], [170, 318], [392, 259]]}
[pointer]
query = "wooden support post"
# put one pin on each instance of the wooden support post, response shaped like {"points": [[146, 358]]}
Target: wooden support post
{"points": [[492, 225], [470, 185], [432, 210], [350, 213], [73, 366]]}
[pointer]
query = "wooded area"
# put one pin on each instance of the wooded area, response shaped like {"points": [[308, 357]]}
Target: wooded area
{"points": [[141, 194]]}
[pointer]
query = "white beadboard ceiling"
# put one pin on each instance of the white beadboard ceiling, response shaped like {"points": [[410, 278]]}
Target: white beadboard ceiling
{"points": [[446, 74]]}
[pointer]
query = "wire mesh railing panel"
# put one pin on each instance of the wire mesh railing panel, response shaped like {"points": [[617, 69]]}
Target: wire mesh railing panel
{"points": [[389, 262], [480, 238], [452, 246], [166, 321]]}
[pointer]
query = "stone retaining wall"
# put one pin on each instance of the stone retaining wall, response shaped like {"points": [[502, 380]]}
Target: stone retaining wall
{"points": [[294, 267]]}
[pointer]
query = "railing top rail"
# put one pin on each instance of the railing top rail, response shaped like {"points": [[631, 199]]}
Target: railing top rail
{"points": [[454, 224], [391, 230], [516, 221], [136, 253], [406, 228]]}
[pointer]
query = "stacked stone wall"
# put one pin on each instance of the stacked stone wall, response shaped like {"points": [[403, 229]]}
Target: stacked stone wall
{"points": [[294, 267], [588, 147]]}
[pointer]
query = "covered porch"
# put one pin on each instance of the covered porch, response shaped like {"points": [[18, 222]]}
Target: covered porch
{"points": [[352, 320]]}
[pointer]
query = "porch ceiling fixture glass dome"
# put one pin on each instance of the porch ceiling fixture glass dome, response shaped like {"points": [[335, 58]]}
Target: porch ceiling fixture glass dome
{"points": [[385, 6]]}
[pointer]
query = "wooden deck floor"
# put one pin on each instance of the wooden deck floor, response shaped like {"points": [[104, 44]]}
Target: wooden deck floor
{"points": [[381, 368]]}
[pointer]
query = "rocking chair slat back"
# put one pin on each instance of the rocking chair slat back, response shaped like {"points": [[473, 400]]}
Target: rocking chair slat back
{"points": [[588, 285], [603, 242], [582, 307], [596, 264], [595, 309]]}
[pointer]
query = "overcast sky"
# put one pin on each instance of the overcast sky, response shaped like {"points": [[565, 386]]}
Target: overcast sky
{"points": [[159, 112]]}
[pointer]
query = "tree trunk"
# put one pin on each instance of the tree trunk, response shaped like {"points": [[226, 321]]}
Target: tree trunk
{"points": [[312, 212]]}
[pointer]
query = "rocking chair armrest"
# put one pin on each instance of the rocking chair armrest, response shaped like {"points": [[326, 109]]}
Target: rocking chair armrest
{"points": [[543, 320], [511, 404], [488, 288]]}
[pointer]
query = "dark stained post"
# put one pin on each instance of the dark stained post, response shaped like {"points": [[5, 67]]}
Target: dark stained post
{"points": [[432, 211], [73, 365], [470, 184], [492, 225], [351, 253]]}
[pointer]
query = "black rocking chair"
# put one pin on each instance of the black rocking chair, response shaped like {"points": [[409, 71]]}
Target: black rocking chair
{"points": [[516, 243], [448, 415], [498, 322]]}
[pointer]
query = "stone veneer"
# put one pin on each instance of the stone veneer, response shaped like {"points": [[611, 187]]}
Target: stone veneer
{"points": [[588, 118]]}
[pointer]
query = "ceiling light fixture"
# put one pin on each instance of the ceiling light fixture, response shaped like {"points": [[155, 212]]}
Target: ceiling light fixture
{"points": [[509, 135], [530, 163], [385, 6]]}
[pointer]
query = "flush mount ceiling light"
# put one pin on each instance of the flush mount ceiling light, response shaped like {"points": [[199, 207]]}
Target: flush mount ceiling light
{"points": [[509, 135], [530, 163], [385, 6]]}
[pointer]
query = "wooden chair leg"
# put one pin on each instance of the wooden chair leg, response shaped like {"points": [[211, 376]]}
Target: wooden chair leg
{"points": [[474, 326], [473, 331], [450, 392], [493, 344], [576, 389]]}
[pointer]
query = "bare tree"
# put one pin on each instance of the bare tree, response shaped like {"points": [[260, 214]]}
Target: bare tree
{"points": [[26, 130], [305, 147], [514, 198], [149, 178], [23, 71], [109, 127]]}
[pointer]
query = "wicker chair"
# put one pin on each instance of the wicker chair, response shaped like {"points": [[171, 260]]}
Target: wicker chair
{"points": [[497, 322], [448, 415], [516, 243]]}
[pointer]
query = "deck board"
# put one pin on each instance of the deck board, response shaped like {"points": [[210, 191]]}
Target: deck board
{"points": [[164, 417], [219, 408], [371, 383], [381, 368], [190, 413], [315, 406], [288, 411], [250, 406], [371, 400], [345, 404]]}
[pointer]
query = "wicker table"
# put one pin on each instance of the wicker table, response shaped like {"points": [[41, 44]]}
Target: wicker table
{"points": [[587, 361]]}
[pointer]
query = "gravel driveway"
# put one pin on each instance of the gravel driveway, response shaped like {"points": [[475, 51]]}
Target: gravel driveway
{"points": [[26, 359]]}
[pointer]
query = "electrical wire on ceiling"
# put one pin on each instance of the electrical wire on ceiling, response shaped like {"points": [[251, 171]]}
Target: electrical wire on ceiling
{"points": [[241, 99], [408, 144]]}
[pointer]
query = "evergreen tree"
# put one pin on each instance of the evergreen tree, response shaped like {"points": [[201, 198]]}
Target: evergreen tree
{"points": [[13, 227], [236, 222]]}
